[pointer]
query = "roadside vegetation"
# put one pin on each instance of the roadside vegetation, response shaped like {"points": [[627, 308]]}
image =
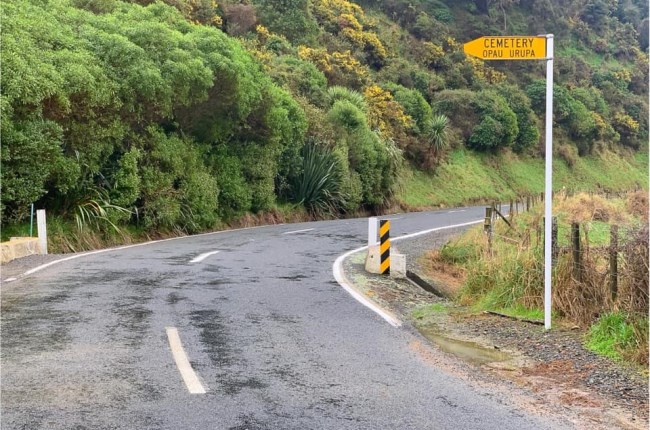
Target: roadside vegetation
{"points": [[508, 276], [135, 119]]}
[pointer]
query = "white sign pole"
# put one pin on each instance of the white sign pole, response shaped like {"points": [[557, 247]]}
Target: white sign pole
{"points": [[548, 198]]}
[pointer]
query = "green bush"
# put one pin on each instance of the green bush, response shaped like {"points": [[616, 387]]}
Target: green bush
{"points": [[337, 93], [301, 77], [23, 178], [498, 127], [235, 196], [371, 159], [176, 189], [351, 188], [348, 116], [414, 105], [126, 182], [291, 18], [319, 187], [486, 135], [459, 107], [527, 122]]}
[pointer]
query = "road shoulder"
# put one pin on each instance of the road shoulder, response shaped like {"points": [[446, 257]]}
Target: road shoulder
{"points": [[552, 370]]}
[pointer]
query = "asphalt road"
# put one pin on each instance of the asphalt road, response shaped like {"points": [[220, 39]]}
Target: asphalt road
{"points": [[273, 339]]}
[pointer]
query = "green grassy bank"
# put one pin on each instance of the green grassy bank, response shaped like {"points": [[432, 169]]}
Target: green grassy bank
{"points": [[468, 177]]}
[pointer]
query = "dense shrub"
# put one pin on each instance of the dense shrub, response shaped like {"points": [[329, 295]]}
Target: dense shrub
{"points": [[292, 18], [176, 189], [235, 196], [122, 101], [527, 122], [347, 115], [498, 124], [414, 105], [301, 77]]}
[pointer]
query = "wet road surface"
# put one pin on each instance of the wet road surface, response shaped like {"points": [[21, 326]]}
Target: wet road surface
{"points": [[272, 337]]}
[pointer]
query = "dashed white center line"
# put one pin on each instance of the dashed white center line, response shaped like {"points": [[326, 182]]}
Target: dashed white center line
{"points": [[298, 231], [192, 381], [202, 257], [10, 279]]}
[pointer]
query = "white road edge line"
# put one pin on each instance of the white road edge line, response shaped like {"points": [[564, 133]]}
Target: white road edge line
{"points": [[202, 257], [298, 231], [192, 382], [343, 282], [119, 248], [339, 275]]}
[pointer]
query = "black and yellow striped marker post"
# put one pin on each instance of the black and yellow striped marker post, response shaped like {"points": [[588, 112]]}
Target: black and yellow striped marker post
{"points": [[384, 247]]}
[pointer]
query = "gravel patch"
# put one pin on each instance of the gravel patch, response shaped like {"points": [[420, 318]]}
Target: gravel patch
{"points": [[560, 356]]}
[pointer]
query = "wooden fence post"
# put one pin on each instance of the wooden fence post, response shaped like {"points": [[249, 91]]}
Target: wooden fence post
{"points": [[487, 226], [577, 256], [613, 261]]}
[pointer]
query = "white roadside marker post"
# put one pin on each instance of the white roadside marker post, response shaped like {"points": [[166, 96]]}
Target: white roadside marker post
{"points": [[42, 231], [372, 231]]}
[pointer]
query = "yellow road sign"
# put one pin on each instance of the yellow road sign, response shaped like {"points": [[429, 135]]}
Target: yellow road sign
{"points": [[507, 48]]}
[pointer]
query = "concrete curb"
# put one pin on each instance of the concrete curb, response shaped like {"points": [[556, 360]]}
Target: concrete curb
{"points": [[19, 247]]}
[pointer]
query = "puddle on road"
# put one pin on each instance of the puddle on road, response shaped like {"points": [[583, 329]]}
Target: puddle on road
{"points": [[470, 352]]}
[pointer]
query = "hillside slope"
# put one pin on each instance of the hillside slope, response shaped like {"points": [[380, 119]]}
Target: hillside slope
{"points": [[188, 114]]}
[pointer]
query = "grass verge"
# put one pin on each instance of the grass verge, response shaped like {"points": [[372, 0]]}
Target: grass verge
{"points": [[619, 336]]}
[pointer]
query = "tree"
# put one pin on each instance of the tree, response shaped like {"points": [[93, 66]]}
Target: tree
{"points": [[291, 18], [498, 123], [483, 6], [239, 18]]}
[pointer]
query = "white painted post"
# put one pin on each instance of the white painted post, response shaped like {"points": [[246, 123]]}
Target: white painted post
{"points": [[42, 231], [548, 198], [372, 231]]}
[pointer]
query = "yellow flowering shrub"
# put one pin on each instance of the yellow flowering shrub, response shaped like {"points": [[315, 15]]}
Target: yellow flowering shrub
{"points": [[330, 10], [263, 33], [355, 37], [340, 68], [384, 113], [349, 21], [451, 44], [626, 123], [603, 129], [347, 63], [431, 54], [258, 46], [623, 75], [485, 73]]}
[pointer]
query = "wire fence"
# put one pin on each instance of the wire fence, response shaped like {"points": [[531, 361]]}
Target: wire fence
{"points": [[598, 266]]}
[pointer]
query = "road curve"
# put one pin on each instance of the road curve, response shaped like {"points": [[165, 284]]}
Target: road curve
{"points": [[271, 337]]}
